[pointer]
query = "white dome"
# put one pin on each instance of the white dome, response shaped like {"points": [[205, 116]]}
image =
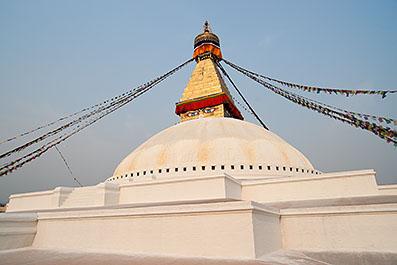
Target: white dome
{"points": [[219, 144]]}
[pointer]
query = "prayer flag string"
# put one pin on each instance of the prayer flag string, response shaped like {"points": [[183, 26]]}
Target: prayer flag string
{"points": [[336, 91], [383, 132], [83, 123]]}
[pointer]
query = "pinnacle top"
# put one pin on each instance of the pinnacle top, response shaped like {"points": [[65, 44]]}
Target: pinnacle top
{"points": [[207, 43], [206, 26]]}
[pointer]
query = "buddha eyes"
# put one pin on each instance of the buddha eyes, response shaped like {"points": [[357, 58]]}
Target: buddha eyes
{"points": [[197, 112], [209, 110], [193, 113]]}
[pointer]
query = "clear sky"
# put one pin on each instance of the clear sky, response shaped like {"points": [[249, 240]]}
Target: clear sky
{"points": [[57, 57]]}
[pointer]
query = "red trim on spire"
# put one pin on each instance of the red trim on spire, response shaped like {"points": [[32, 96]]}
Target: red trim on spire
{"points": [[210, 101], [207, 47]]}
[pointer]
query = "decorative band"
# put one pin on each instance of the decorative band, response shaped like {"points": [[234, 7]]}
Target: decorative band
{"points": [[207, 47], [209, 101], [196, 44]]}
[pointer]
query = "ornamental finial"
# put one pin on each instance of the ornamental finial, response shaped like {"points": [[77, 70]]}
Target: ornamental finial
{"points": [[206, 43], [207, 26]]}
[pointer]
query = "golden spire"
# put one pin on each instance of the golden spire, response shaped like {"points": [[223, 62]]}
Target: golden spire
{"points": [[206, 94]]}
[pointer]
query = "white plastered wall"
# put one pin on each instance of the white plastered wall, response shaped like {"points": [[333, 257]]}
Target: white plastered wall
{"points": [[220, 187], [17, 230], [42, 200], [102, 194], [325, 186], [212, 230], [342, 228]]}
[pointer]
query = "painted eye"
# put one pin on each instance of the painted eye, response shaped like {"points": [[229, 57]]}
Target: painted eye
{"points": [[192, 113], [209, 110]]}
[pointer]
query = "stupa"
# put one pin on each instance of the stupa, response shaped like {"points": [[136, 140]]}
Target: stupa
{"points": [[213, 185]]}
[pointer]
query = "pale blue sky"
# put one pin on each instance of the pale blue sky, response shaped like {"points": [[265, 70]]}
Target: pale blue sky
{"points": [[57, 57]]}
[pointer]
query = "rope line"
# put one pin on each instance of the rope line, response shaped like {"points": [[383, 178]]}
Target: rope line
{"points": [[17, 163], [67, 166], [339, 91], [126, 96], [378, 119], [8, 168], [241, 95], [71, 115], [65, 136], [241, 105], [384, 133], [66, 117]]}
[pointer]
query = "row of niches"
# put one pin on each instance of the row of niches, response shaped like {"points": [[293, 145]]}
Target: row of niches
{"points": [[230, 168]]}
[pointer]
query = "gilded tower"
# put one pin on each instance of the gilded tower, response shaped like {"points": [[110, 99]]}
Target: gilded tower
{"points": [[206, 94]]}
